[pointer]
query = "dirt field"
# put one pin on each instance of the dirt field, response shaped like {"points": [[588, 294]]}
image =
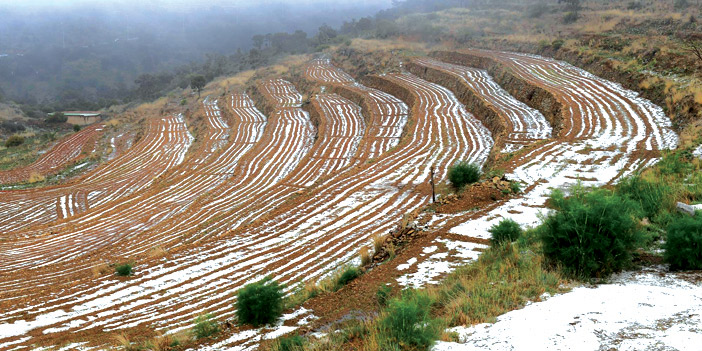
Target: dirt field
{"points": [[293, 184]]}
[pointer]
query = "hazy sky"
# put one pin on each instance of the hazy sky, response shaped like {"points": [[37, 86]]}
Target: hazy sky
{"points": [[170, 3]]}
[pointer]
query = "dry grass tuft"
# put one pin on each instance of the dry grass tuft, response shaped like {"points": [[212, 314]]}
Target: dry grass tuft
{"points": [[35, 177], [365, 256], [237, 81], [386, 45], [161, 342], [123, 342], [152, 108], [112, 123], [378, 242], [100, 269], [158, 252]]}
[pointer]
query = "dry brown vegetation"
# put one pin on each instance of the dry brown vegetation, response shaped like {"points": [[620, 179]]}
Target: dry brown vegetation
{"points": [[644, 45]]}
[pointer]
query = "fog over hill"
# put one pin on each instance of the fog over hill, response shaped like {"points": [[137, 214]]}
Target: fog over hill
{"points": [[57, 50]]}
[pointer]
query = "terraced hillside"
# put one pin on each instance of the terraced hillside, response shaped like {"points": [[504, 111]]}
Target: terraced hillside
{"points": [[66, 151], [293, 184]]}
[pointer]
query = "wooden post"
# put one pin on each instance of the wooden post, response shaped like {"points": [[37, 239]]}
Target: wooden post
{"points": [[431, 181]]}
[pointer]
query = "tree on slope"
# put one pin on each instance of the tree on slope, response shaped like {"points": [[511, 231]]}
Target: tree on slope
{"points": [[198, 82]]}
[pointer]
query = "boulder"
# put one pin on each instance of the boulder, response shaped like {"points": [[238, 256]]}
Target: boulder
{"points": [[685, 208]]}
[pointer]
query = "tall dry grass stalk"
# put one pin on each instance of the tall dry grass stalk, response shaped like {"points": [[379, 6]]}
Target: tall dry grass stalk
{"points": [[99, 269], [378, 242], [365, 256], [158, 252]]}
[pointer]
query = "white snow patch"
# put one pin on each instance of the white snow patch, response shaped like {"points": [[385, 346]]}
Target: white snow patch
{"points": [[638, 311], [698, 152], [432, 267], [409, 263]]}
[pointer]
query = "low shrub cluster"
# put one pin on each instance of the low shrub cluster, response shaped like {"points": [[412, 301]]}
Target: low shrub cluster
{"points": [[506, 231], [124, 269], [675, 163], [349, 274], [407, 323], [653, 197], [205, 326], [383, 295], [56, 117], [591, 233], [260, 303], [463, 173], [515, 187], [14, 140], [683, 247], [289, 343]]}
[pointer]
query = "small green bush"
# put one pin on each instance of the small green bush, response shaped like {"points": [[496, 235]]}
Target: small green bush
{"points": [[183, 102], [290, 343], [675, 163], [544, 44], [463, 173], [349, 274], [15, 140], [557, 44], [205, 326], [260, 303], [383, 295], [57, 117], [76, 128], [515, 187], [506, 231], [124, 269], [591, 234], [683, 247], [570, 17], [654, 197], [407, 323]]}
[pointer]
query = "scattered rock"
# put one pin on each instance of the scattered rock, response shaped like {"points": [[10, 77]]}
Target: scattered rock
{"points": [[685, 208]]}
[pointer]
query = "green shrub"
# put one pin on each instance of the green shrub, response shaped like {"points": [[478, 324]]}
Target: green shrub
{"points": [[463, 173], [683, 247], [653, 197], [349, 274], [591, 234], [57, 117], [76, 128], [506, 231], [260, 303], [290, 343], [15, 140], [558, 43], [205, 326], [406, 323], [675, 163], [515, 187], [183, 102], [544, 44], [570, 17], [383, 295], [124, 269]]}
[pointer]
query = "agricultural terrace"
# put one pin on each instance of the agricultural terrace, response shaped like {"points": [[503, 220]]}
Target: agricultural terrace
{"points": [[293, 187]]}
